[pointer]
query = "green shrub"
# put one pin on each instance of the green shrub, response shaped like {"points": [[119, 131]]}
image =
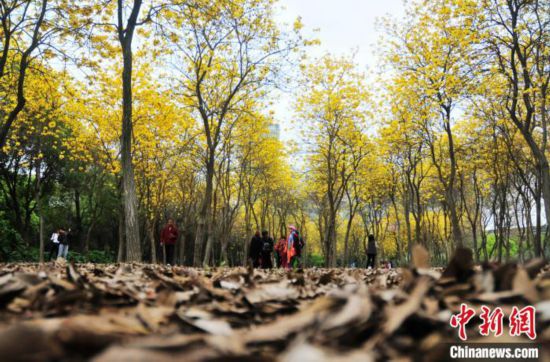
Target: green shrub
{"points": [[314, 260], [94, 256], [513, 244], [9, 239], [24, 254], [21, 253]]}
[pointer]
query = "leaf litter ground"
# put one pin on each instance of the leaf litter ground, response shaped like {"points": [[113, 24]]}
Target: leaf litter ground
{"points": [[61, 312]]}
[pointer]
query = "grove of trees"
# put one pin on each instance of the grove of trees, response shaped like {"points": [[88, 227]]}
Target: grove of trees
{"points": [[116, 115]]}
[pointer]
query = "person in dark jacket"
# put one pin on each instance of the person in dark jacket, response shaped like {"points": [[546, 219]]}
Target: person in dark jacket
{"points": [[63, 251], [168, 239], [267, 250], [255, 250], [371, 252]]}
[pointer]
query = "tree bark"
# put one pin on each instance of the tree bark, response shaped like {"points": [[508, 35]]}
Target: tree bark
{"points": [[203, 221], [78, 217], [153, 244], [131, 217], [182, 244], [331, 239], [210, 234], [89, 237], [121, 255], [406, 214], [451, 188], [40, 211], [546, 196], [397, 232]]}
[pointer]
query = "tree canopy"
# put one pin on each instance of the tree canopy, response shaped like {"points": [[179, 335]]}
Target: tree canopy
{"points": [[115, 116]]}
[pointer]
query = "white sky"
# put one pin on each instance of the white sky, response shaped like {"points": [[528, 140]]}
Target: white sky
{"points": [[344, 26]]}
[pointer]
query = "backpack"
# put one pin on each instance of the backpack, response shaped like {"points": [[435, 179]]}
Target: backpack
{"points": [[298, 243], [267, 246]]}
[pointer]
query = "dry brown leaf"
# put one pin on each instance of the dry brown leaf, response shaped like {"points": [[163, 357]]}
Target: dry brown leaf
{"points": [[522, 284], [420, 257], [271, 292], [461, 266], [357, 309], [396, 315], [305, 352], [204, 321]]}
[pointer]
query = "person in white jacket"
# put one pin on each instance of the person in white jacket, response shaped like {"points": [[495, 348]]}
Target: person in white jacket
{"points": [[54, 245]]}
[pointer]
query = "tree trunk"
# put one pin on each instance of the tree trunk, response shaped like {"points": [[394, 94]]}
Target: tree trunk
{"points": [[398, 232], [131, 217], [210, 231], [153, 244], [248, 232], [545, 171], [182, 243], [474, 237], [131, 221], [331, 240], [353, 204], [451, 190], [78, 217], [224, 244], [204, 220], [409, 231], [346, 240], [88, 237], [121, 255], [39, 209], [483, 246]]}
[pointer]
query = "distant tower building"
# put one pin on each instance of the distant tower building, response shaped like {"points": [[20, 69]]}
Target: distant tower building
{"points": [[275, 130]]}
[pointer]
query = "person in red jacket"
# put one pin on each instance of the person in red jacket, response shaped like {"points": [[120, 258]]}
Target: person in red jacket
{"points": [[280, 252], [168, 238]]}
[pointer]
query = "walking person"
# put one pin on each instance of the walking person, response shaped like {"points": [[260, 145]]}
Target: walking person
{"points": [[280, 252], [168, 239], [295, 245], [371, 252], [54, 245], [267, 250], [63, 244], [255, 250]]}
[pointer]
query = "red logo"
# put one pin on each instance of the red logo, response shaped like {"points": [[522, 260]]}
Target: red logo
{"points": [[492, 322], [521, 321], [461, 320]]}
